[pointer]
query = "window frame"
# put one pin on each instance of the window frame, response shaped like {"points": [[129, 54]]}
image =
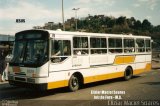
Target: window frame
{"points": [[138, 48], [115, 49], [100, 50], [60, 58], [81, 51], [146, 47], [130, 49]]}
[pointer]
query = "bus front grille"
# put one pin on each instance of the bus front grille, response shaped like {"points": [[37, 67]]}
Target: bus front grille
{"points": [[22, 74], [20, 79]]}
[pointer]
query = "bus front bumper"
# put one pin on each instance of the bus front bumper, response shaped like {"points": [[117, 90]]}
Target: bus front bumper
{"points": [[26, 82], [28, 85]]}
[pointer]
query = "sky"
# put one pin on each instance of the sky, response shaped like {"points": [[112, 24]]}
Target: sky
{"points": [[38, 12]]}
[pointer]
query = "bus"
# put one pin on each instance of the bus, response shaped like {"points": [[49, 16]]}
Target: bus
{"points": [[47, 59]]}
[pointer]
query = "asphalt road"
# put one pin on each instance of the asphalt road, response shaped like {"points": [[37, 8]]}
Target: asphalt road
{"points": [[145, 86]]}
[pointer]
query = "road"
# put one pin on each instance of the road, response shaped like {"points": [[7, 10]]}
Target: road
{"points": [[145, 86]]}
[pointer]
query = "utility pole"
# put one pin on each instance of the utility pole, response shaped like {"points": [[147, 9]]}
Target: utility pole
{"points": [[63, 17], [76, 9]]}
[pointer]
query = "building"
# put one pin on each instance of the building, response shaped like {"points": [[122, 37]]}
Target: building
{"points": [[6, 37], [6, 42], [49, 26]]}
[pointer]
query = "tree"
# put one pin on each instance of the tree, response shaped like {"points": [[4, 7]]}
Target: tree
{"points": [[146, 25], [137, 25], [131, 21], [111, 23], [121, 20]]}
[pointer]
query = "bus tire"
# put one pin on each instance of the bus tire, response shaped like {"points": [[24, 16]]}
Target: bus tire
{"points": [[74, 83], [128, 73]]}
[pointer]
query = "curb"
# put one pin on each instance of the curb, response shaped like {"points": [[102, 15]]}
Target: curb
{"points": [[156, 68], [5, 82]]}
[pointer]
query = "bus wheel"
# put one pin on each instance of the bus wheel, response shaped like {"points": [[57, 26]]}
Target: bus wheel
{"points": [[128, 73], [74, 83]]}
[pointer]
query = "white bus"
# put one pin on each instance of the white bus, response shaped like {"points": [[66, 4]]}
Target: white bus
{"points": [[52, 59]]}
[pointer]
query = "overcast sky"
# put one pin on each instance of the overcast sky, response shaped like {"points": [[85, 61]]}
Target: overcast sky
{"points": [[38, 12]]}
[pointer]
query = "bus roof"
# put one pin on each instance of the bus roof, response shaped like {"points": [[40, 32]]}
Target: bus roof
{"points": [[94, 34], [69, 33]]}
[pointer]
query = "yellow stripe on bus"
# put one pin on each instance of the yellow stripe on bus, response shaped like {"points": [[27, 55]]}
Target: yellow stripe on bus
{"points": [[124, 59], [64, 83], [57, 84], [103, 77], [148, 67], [139, 71]]}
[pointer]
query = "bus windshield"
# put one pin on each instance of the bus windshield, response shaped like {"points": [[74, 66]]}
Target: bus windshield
{"points": [[30, 52], [30, 48]]}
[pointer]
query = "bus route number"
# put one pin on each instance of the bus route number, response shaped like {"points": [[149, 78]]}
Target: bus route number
{"points": [[20, 20]]}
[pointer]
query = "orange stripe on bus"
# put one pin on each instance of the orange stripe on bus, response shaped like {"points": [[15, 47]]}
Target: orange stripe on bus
{"points": [[139, 71], [124, 59], [57, 84], [148, 67]]}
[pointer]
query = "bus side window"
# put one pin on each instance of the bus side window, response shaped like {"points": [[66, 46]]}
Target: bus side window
{"points": [[115, 45], [61, 49], [140, 45], [129, 46], [80, 45], [98, 45], [148, 45]]}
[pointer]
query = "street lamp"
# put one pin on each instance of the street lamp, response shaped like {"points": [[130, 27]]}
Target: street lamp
{"points": [[63, 17], [76, 9]]}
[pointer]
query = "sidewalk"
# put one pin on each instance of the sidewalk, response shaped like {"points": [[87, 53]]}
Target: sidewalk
{"points": [[4, 82]]}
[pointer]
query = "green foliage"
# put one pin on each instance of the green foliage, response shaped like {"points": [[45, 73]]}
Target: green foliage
{"points": [[110, 24], [120, 25]]}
